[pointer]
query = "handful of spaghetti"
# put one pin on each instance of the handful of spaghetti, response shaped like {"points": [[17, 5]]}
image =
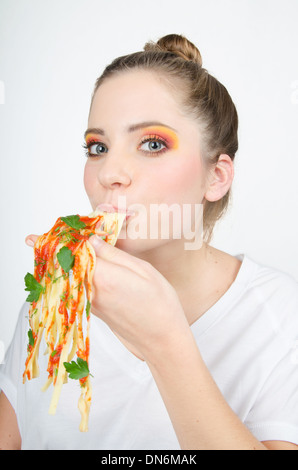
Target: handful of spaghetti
{"points": [[60, 293]]}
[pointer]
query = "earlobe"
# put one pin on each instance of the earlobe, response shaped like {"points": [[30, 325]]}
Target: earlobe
{"points": [[220, 178]]}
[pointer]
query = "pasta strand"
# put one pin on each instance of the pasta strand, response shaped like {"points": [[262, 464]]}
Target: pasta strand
{"points": [[64, 264]]}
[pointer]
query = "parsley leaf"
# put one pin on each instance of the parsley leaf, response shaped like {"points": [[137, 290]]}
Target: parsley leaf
{"points": [[88, 307], [66, 259], [33, 287], [77, 370], [74, 221], [31, 338]]}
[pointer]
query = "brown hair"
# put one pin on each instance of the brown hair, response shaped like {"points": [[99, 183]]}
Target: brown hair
{"points": [[176, 59]]}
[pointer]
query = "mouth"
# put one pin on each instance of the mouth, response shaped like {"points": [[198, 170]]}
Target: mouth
{"points": [[105, 207]]}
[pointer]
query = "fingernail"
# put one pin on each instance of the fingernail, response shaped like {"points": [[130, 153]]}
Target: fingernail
{"points": [[96, 241]]}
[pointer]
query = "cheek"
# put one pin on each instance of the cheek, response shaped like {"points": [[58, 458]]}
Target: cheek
{"points": [[90, 179], [182, 181]]}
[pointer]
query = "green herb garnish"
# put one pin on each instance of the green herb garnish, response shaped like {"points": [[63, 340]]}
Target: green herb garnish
{"points": [[74, 221], [77, 370], [66, 259], [88, 307], [31, 338], [34, 287]]}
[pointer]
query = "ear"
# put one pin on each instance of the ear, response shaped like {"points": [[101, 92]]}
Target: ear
{"points": [[220, 178]]}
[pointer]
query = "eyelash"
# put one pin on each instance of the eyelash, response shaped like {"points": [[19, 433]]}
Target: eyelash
{"points": [[149, 138], [87, 147], [155, 138]]}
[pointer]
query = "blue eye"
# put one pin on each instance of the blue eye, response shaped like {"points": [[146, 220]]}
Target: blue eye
{"points": [[152, 145], [94, 149]]}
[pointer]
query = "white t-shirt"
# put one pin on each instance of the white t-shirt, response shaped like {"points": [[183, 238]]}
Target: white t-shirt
{"points": [[248, 340]]}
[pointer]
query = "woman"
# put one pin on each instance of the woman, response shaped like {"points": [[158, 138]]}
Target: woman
{"points": [[190, 348]]}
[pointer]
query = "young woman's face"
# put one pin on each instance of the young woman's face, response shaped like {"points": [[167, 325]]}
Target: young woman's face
{"points": [[144, 154]]}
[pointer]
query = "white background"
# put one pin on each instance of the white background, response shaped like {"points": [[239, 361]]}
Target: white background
{"points": [[52, 51]]}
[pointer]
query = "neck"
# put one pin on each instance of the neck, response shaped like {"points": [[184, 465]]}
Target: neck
{"points": [[200, 277], [185, 270], [174, 262]]}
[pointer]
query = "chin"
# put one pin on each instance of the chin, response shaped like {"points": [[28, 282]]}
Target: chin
{"points": [[147, 248], [134, 247]]}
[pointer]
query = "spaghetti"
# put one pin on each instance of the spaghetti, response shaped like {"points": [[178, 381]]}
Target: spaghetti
{"points": [[60, 293]]}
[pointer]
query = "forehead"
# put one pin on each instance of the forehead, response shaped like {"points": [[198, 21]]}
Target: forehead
{"points": [[134, 95]]}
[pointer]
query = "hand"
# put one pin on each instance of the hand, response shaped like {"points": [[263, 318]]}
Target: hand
{"points": [[135, 300], [31, 239]]}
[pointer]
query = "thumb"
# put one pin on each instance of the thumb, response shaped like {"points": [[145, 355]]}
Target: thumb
{"points": [[31, 240]]}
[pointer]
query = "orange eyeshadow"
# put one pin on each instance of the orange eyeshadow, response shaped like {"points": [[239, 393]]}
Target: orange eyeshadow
{"points": [[91, 138], [165, 133]]}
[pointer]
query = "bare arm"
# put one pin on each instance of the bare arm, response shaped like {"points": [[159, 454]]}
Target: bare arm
{"points": [[201, 417], [10, 438]]}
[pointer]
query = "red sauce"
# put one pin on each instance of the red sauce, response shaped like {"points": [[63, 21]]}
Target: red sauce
{"points": [[44, 269]]}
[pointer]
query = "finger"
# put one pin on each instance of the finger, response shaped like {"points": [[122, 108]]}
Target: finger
{"points": [[109, 277], [104, 250], [31, 239]]}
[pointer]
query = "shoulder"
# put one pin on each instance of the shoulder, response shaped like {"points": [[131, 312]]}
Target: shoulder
{"points": [[276, 293], [272, 283]]}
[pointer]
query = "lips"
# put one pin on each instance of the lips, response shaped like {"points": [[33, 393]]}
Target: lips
{"points": [[106, 207]]}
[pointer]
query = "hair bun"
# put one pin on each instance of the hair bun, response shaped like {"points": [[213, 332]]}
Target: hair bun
{"points": [[178, 45]]}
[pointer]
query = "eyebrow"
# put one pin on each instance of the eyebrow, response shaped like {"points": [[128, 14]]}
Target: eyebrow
{"points": [[133, 128]]}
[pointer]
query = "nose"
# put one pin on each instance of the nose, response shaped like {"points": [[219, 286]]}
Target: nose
{"points": [[113, 173]]}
